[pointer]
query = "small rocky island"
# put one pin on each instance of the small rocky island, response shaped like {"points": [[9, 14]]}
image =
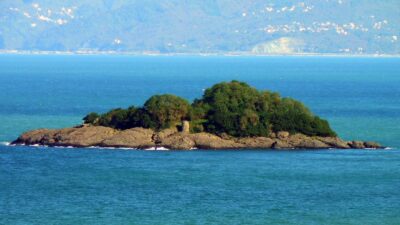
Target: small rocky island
{"points": [[230, 115]]}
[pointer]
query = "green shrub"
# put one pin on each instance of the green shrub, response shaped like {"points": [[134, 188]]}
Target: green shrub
{"points": [[116, 118], [91, 118], [197, 126]]}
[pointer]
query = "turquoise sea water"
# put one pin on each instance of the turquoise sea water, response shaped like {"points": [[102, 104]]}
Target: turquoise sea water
{"points": [[359, 96]]}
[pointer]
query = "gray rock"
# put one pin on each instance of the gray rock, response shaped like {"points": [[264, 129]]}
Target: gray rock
{"points": [[166, 133], [371, 144], [279, 144], [210, 141], [283, 135], [357, 144], [178, 141], [132, 138], [303, 141], [85, 136], [257, 142], [334, 142]]}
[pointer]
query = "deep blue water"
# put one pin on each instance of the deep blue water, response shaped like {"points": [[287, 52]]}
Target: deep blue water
{"points": [[359, 96]]}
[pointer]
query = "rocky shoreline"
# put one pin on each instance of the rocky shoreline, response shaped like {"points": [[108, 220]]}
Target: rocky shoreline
{"points": [[140, 138]]}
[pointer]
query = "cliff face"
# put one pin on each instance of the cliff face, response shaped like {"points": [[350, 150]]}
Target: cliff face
{"points": [[140, 138]]}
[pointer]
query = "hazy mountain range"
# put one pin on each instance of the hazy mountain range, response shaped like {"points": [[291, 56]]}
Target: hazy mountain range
{"points": [[202, 26]]}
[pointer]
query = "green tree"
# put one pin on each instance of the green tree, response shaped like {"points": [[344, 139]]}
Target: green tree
{"points": [[232, 108], [140, 117], [291, 115], [165, 110]]}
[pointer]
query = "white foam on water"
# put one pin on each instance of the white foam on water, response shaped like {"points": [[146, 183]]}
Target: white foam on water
{"points": [[111, 148], [90, 147], [118, 148], [388, 148], [59, 146], [128, 148], [156, 149]]}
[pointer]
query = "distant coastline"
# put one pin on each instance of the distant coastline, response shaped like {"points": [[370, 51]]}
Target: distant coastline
{"points": [[228, 54]]}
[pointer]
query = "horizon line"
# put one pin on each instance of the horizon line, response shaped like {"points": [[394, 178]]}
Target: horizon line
{"points": [[228, 54]]}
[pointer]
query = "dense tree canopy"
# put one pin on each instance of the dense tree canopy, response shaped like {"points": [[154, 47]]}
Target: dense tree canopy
{"points": [[234, 108], [167, 110]]}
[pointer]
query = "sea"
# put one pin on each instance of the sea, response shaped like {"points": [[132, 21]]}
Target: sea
{"points": [[359, 96]]}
